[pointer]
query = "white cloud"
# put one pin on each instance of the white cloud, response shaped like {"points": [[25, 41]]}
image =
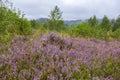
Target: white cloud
{"points": [[72, 9]]}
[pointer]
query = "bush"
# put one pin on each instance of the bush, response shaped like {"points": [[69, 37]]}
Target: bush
{"points": [[24, 27], [86, 30], [12, 22], [99, 33], [116, 34], [83, 29], [5, 38]]}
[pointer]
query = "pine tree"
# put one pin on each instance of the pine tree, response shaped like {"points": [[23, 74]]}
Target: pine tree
{"points": [[117, 23], [93, 21], [105, 24]]}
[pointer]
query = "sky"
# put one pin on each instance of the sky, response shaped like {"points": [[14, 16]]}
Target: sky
{"points": [[72, 9]]}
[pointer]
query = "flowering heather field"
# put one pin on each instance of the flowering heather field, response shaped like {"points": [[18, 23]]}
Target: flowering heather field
{"points": [[52, 57]]}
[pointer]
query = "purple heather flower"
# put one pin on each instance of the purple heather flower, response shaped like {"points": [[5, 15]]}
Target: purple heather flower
{"points": [[65, 69], [1, 64], [76, 69], [51, 77]]}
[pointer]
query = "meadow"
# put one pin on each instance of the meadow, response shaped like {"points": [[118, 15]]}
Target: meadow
{"points": [[31, 50], [53, 57]]}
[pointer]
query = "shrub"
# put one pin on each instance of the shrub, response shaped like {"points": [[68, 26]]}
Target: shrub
{"points": [[84, 30], [116, 34], [5, 38]]}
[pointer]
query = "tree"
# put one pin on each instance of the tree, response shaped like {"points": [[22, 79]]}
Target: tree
{"points": [[112, 24], [13, 22], [4, 3], [33, 23], [117, 23], [55, 21], [56, 14], [93, 21], [90, 21], [105, 24]]}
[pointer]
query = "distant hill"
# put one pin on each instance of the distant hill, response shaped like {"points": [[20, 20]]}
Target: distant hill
{"points": [[75, 22], [42, 20], [67, 22]]}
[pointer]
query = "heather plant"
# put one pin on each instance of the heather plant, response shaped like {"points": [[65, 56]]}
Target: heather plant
{"points": [[57, 40], [42, 58]]}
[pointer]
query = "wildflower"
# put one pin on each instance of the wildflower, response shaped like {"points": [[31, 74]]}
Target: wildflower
{"points": [[65, 69], [76, 69], [51, 77]]}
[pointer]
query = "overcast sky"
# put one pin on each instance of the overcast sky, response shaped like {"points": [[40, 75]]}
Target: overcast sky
{"points": [[72, 9]]}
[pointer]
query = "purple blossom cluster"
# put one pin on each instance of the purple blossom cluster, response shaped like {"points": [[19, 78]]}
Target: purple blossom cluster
{"points": [[52, 57]]}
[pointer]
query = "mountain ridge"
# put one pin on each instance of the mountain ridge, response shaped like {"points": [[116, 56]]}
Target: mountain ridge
{"points": [[67, 22]]}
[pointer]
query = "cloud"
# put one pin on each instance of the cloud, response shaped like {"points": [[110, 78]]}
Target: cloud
{"points": [[72, 9]]}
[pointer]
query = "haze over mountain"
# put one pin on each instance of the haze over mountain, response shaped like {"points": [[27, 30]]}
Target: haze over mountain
{"points": [[67, 22]]}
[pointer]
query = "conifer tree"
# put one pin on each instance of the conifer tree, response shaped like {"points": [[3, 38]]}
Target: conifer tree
{"points": [[105, 24], [93, 21], [117, 23]]}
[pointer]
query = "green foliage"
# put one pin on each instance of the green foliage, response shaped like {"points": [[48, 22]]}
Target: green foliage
{"points": [[20, 26], [12, 22], [85, 30], [99, 33], [36, 24], [56, 14], [116, 34], [112, 24], [24, 27], [55, 21], [105, 24], [116, 24], [5, 38], [93, 21]]}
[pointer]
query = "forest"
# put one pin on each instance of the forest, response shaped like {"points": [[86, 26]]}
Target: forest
{"points": [[32, 50]]}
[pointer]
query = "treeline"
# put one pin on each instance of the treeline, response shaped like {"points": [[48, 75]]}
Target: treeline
{"points": [[12, 22], [104, 29], [107, 24]]}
